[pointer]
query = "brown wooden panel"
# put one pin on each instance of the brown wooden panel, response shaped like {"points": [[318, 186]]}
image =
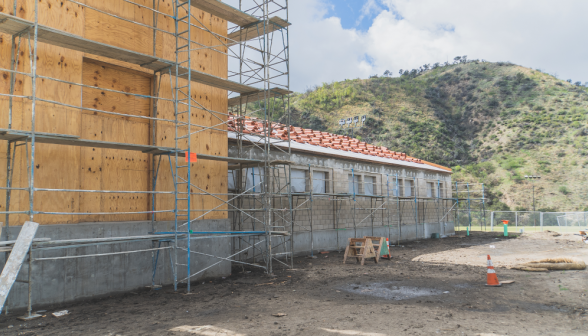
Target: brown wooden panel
{"points": [[91, 167], [112, 169], [123, 34], [102, 75], [107, 169]]}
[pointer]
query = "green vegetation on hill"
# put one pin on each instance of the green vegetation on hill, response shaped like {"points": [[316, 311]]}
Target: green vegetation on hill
{"points": [[491, 122]]}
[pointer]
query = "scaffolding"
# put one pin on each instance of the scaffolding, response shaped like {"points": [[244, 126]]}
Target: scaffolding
{"points": [[263, 204], [355, 203], [470, 205], [257, 52]]}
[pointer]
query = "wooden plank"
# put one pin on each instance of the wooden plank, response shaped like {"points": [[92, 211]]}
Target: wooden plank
{"points": [[72, 141], [74, 42], [91, 162], [113, 31], [211, 80], [102, 75], [12, 25], [15, 260], [224, 11], [256, 30]]}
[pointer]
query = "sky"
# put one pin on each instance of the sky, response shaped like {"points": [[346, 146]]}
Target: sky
{"points": [[334, 40]]}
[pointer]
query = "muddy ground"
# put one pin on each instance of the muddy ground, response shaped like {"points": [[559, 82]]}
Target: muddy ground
{"points": [[441, 292]]}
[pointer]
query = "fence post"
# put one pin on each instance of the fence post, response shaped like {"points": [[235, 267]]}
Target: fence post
{"points": [[541, 220], [516, 219], [492, 221]]}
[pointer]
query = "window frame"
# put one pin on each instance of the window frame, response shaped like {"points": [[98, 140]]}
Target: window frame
{"points": [[374, 184], [326, 180], [411, 191], [305, 171], [350, 180]]}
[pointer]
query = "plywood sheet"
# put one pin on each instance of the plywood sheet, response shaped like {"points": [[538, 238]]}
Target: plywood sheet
{"points": [[109, 169], [113, 169]]}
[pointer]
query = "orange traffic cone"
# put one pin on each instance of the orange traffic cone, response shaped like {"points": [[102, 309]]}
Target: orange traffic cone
{"points": [[491, 278]]}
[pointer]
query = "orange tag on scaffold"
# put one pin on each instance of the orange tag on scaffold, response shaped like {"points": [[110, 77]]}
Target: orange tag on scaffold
{"points": [[191, 157]]}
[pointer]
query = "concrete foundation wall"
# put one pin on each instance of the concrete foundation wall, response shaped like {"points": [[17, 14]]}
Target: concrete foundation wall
{"points": [[58, 281], [336, 240], [329, 240]]}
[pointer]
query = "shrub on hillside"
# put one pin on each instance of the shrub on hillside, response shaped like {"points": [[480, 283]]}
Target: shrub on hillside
{"points": [[512, 163], [564, 190], [493, 102]]}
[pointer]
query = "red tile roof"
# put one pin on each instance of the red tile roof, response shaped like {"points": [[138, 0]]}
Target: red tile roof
{"points": [[318, 138]]}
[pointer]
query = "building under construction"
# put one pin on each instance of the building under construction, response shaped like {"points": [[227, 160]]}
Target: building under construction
{"points": [[142, 137]]}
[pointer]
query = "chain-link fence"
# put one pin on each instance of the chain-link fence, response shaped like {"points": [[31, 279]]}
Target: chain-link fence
{"points": [[534, 221]]}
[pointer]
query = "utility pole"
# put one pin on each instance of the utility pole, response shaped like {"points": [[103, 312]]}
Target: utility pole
{"points": [[533, 178]]}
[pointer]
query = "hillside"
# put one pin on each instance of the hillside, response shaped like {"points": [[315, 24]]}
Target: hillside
{"points": [[491, 122]]}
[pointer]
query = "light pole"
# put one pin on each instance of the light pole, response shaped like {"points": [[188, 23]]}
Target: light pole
{"points": [[532, 178]]}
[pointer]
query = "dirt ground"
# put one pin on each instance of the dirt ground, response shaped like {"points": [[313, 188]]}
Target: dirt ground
{"points": [[428, 288]]}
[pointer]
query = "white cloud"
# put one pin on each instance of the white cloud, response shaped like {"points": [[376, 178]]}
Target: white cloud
{"points": [[536, 33], [320, 49]]}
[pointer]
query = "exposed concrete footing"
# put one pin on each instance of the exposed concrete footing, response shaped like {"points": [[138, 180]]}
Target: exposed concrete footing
{"points": [[58, 281]]}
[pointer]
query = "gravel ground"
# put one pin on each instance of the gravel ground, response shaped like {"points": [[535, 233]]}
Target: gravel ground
{"points": [[429, 287]]}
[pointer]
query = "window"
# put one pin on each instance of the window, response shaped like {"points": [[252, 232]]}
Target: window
{"points": [[431, 189], [319, 182], [298, 180], [232, 180], [369, 185], [392, 186], [408, 186], [353, 184], [254, 179]]}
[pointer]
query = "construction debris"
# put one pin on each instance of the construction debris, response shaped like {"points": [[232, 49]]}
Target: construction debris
{"points": [[556, 264], [61, 313]]}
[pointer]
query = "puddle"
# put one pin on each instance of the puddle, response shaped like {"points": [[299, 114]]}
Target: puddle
{"points": [[389, 291]]}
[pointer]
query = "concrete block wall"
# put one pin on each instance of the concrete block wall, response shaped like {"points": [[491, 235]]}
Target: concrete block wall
{"points": [[334, 212], [59, 281]]}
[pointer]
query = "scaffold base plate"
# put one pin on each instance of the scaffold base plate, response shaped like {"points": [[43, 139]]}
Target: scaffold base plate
{"points": [[29, 317]]}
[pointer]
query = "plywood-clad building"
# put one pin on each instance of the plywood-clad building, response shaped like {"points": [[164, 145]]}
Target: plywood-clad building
{"points": [[128, 26], [115, 94]]}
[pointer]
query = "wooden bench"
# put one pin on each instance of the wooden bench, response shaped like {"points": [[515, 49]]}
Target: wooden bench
{"points": [[361, 249], [379, 245]]}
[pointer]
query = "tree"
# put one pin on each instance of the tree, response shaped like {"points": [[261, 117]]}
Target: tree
{"points": [[456, 59], [387, 73], [578, 83], [436, 65], [401, 72], [569, 81], [464, 59]]}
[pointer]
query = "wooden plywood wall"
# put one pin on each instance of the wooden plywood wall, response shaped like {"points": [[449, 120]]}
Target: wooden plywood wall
{"points": [[105, 169]]}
